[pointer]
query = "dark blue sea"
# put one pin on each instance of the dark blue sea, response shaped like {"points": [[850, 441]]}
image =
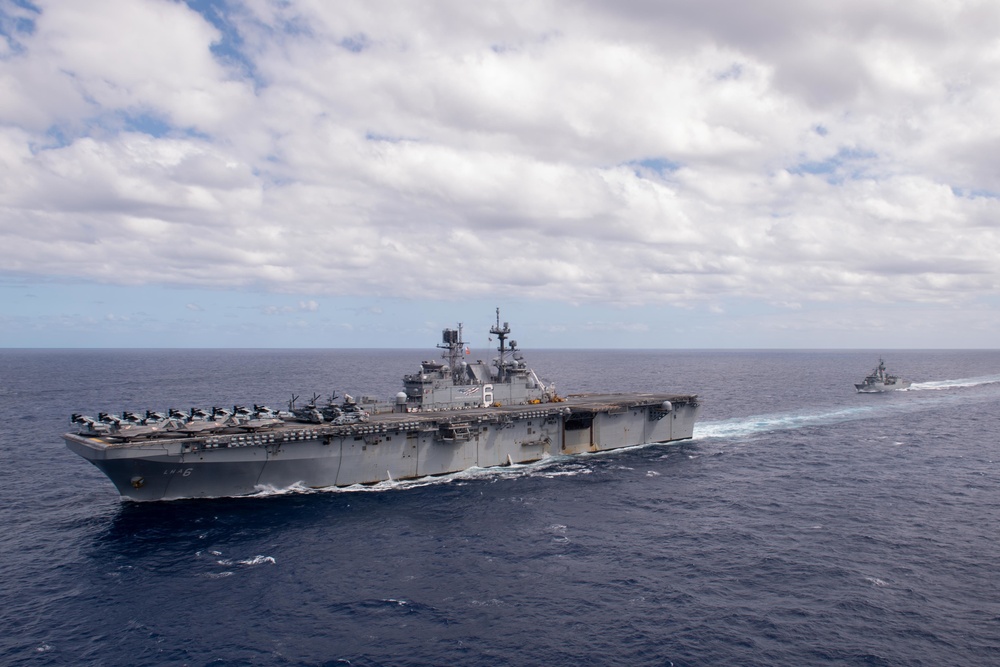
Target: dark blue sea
{"points": [[805, 524]]}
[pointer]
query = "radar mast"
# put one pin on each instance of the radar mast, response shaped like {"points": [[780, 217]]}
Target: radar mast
{"points": [[502, 334]]}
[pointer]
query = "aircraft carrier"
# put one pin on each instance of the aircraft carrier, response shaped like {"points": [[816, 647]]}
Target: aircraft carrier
{"points": [[451, 415]]}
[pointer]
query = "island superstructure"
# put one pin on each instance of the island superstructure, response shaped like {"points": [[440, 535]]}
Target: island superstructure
{"points": [[451, 415]]}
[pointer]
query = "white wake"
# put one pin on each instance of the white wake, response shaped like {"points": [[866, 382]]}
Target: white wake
{"points": [[963, 383]]}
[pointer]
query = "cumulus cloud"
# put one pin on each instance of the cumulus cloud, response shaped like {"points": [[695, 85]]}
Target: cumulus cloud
{"points": [[628, 153]]}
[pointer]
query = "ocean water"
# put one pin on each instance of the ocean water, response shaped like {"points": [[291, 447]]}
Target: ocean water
{"points": [[805, 524]]}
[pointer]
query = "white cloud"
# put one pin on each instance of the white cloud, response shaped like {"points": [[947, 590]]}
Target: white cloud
{"points": [[626, 153]]}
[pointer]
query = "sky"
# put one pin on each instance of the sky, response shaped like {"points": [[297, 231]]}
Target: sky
{"points": [[626, 174]]}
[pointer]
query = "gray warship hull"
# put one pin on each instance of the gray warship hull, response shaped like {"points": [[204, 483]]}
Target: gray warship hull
{"points": [[880, 387], [392, 445], [880, 380]]}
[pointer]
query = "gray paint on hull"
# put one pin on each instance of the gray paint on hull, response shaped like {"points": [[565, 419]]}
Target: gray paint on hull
{"points": [[168, 472]]}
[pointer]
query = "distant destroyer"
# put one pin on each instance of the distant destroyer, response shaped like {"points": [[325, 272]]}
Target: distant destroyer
{"points": [[451, 415], [880, 380]]}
